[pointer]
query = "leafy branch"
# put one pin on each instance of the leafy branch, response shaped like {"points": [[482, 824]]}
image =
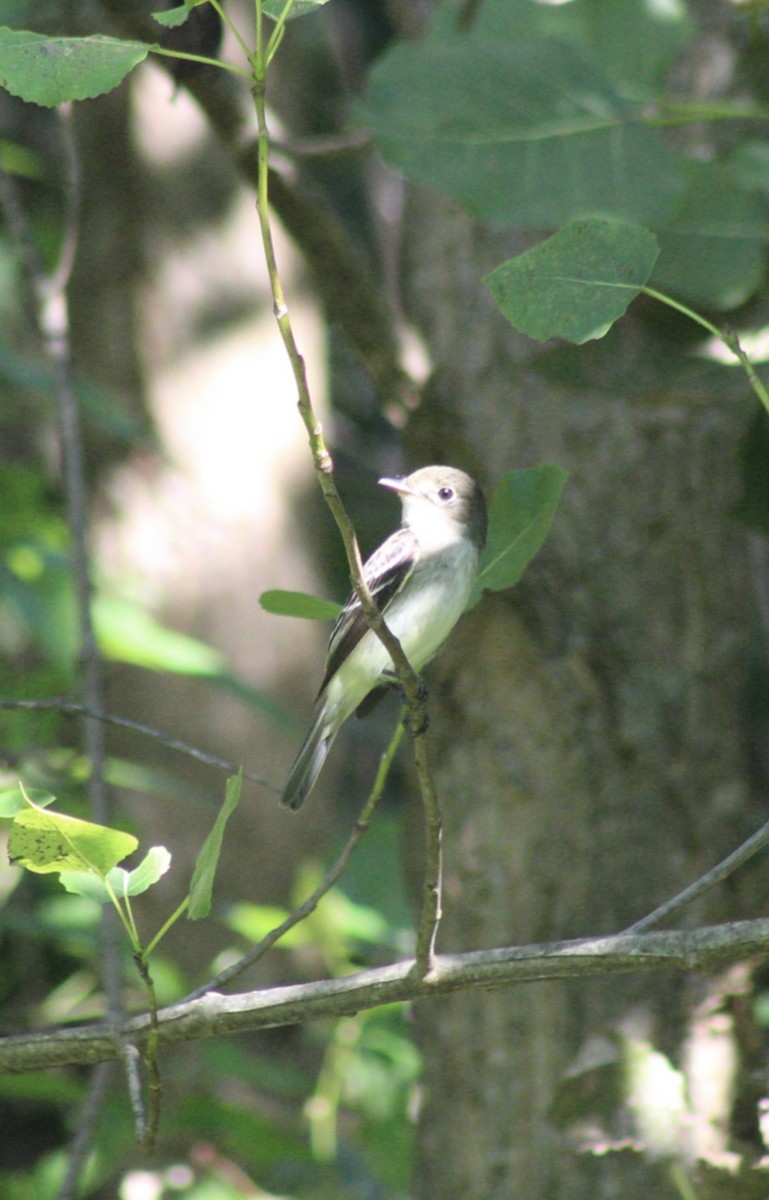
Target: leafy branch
{"points": [[577, 283]]}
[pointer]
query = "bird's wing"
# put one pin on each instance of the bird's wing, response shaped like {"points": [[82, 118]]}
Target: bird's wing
{"points": [[385, 572]]}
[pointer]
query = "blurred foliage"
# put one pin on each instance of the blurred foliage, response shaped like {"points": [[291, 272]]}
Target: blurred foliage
{"points": [[326, 1112], [229, 1117]]}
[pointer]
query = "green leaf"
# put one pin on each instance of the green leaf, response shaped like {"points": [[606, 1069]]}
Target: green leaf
{"points": [[274, 8], [201, 886], [520, 515], [52, 70], [298, 604], [44, 841], [524, 132], [123, 883], [633, 42], [128, 633], [255, 921], [578, 282], [713, 252], [750, 164], [15, 800], [23, 161], [171, 18]]}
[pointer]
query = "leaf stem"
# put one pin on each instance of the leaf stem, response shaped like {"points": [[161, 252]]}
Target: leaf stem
{"points": [[728, 338], [305, 909], [230, 24], [126, 916], [672, 112], [164, 928], [276, 37], [200, 58]]}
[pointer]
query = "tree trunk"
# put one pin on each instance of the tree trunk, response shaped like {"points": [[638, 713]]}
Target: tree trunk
{"points": [[586, 736]]}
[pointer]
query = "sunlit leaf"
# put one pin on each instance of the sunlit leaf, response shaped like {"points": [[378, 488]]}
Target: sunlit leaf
{"points": [[53, 70], [17, 159], [123, 883], [15, 800], [298, 604], [339, 921], [255, 921], [127, 632], [201, 886], [578, 282], [45, 841], [520, 515]]}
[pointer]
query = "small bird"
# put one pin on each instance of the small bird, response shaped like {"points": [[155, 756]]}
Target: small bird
{"points": [[421, 578]]}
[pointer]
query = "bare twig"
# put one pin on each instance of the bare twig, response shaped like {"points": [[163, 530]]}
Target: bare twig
{"points": [[81, 1144], [215, 1014], [728, 337], [70, 708], [155, 1086], [131, 1064], [311, 903], [430, 909], [717, 875], [332, 146]]}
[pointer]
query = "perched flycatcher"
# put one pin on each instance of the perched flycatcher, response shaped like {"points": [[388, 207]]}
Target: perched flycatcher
{"points": [[421, 578]]}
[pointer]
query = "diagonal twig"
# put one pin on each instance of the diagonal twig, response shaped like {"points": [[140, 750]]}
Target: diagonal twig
{"points": [[82, 1141], [716, 875], [311, 903], [71, 708], [413, 690]]}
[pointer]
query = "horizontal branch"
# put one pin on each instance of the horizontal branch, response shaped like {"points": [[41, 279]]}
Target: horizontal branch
{"points": [[215, 1014]]}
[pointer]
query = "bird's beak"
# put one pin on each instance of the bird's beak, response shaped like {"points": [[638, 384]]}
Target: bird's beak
{"points": [[397, 485]]}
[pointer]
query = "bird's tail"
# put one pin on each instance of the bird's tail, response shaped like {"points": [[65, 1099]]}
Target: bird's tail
{"points": [[309, 761]]}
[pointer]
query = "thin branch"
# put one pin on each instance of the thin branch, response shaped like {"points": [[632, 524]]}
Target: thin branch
{"points": [[413, 689], [70, 708], [131, 1065], [716, 875], [728, 337], [430, 908], [88, 1118], [311, 903], [47, 301], [216, 1014], [202, 60], [332, 146]]}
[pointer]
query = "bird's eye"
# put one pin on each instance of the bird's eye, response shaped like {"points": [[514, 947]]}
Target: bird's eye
{"points": [[445, 493]]}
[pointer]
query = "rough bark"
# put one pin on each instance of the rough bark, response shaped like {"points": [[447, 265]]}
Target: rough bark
{"points": [[587, 742]]}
